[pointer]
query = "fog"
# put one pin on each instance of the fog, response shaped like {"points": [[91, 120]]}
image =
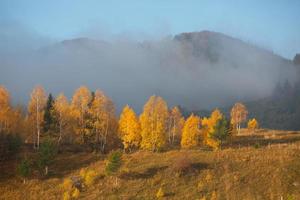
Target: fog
{"points": [[197, 71]]}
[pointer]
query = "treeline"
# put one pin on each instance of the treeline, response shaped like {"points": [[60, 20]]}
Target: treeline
{"points": [[89, 119]]}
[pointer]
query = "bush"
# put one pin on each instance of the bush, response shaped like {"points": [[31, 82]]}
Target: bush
{"points": [[66, 196], [67, 184], [24, 169], [181, 165], [113, 163], [88, 176], [75, 193], [160, 193], [46, 154]]}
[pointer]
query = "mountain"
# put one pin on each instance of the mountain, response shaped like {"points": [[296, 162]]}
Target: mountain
{"points": [[198, 70]]}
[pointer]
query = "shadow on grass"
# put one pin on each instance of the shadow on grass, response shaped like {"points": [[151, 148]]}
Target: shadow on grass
{"points": [[150, 172]]}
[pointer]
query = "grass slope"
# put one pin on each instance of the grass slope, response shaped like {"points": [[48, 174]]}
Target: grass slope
{"points": [[264, 165]]}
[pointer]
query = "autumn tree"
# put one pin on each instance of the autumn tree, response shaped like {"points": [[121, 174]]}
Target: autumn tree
{"points": [[238, 115], [191, 134], [252, 124], [129, 129], [5, 109], [103, 120], [36, 108], [62, 112], [80, 110], [209, 128], [175, 125], [154, 124]]}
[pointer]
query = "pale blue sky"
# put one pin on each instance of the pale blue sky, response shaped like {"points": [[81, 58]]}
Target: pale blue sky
{"points": [[271, 24]]}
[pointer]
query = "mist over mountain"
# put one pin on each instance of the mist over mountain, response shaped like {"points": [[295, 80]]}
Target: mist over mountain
{"points": [[198, 70]]}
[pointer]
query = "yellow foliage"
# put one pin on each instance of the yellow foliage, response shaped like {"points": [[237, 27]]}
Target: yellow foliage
{"points": [[176, 123], [208, 177], [160, 193], [214, 196], [10, 119], [36, 107], [88, 176], [79, 109], [103, 121], [252, 124], [238, 115], [67, 184], [191, 132], [75, 193], [153, 124], [214, 143], [129, 128], [209, 128], [66, 196]]}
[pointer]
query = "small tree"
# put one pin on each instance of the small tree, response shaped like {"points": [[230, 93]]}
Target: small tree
{"points": [[238, 115], [24, 169], [46, 154], [253, 124], [220, 133], [113, 163]]}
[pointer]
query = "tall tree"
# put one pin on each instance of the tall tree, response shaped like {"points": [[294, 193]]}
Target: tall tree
{"points": [[5, 109], [48, 114], [191, 133], [79, 110], [36, 108], [238, 115], [103, 120], [62, 110], [176, 123], [129, 129], [154, 124]]}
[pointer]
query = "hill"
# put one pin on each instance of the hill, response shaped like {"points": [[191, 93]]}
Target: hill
{"points": [[199, 70], [261, 165]]}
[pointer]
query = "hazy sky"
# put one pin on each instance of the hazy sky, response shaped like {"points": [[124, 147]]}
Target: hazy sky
{"points": [[271, 24]]}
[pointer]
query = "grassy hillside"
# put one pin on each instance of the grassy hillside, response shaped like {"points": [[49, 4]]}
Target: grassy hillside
{"points": [[261, 165]]}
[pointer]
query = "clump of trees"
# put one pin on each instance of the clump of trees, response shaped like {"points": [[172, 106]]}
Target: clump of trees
{"points": [[89, 119]]}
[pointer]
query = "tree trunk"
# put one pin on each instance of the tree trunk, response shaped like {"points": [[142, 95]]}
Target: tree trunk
{"points": [[37, 122], [46, 170], [60, 128]]}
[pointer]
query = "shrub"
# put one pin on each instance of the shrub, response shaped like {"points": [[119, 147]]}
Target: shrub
{"points": [[113, 163], [46, 154], [67, 184], [181, 165], [160, 193], [214, 196], [24, 169], [66, 196], [75, 193], [88, 176]]}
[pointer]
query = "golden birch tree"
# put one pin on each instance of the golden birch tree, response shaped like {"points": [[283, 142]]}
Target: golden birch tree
{"points": [[154, 124], [103, 120], [36, 108], [79, 111], [129, 129], [62, 110], [238, 115], [5, 109], [175, 125], [191, 133]]}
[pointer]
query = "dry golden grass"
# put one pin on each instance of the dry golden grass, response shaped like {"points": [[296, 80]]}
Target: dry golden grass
{"points": [[260, 165]]}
